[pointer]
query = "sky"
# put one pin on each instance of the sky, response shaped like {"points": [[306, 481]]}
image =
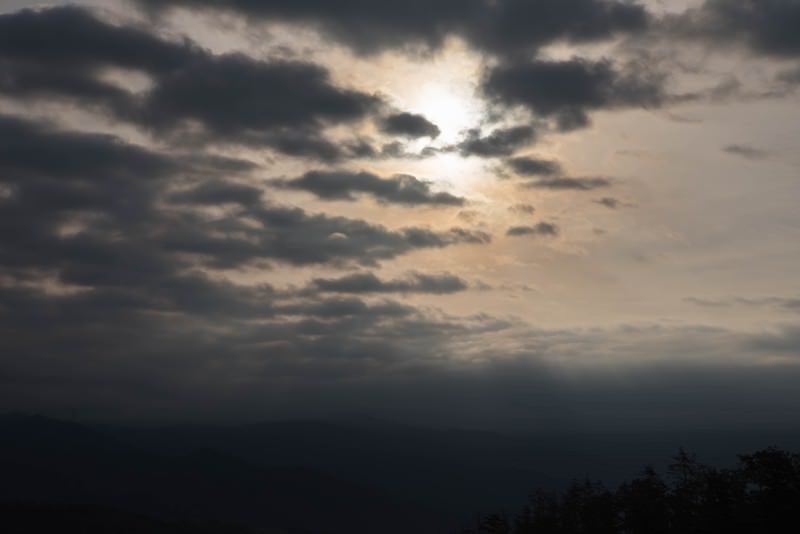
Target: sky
{"points": [[516, 214]]}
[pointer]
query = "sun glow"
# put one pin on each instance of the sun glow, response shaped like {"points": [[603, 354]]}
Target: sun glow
{"points": [[452, 108], [443, 89]]}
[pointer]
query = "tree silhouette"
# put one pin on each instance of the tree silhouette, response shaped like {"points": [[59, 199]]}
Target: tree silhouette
{"points": [[760, 495]]}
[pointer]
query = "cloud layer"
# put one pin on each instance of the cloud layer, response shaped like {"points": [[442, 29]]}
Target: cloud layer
{"points": [[198, 225]]}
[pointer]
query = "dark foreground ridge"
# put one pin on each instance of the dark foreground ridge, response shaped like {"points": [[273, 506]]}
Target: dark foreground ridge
{"points": [[366, 477]]}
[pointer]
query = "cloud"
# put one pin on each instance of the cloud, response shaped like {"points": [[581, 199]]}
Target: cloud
{"points": [[500, 27], [526, 209], [292, 235], [568, 90], [513, 27], [73, 38], [222, 93], [409, 125], [609, 202], [790, 77], [61, 52], [197, 97], [784, 303], [365, 27], [541, 229], [343, 355], [528, 166], [343, 185], [500, 142], [33, 150], [343, 308], [194, 96], [89, 209], [747, 152], [366, 283], [126, 281], [576, 184], [613, 203], [108, 250], [73, 47], [215, 193], [767, 27]]}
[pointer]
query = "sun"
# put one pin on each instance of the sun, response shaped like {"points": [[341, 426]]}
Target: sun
{"points": [[451, 107]]}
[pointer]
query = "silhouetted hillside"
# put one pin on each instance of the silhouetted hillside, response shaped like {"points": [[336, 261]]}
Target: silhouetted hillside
{"points": [[321, 476], [37, 518], [452, 470], [56, 462]]}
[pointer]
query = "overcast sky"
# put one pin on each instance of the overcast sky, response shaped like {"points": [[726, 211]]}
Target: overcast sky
{"points": [[502, 213]]}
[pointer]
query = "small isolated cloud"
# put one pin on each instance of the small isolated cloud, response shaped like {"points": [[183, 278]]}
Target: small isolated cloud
{"points": [[529, 166], [541, 229], [746, 151], [613, 203], [784, 303], [576, 184]]}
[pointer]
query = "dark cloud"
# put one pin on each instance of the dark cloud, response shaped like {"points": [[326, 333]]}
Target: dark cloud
{"points": [[541, 229], [343, 185], [109, 262], [291, 235], [528, 166], [74, 39], [196, 97], [747, 152], [766, 27], [90, 208], [568, 90], [32, 149], [365, 26], [375, 359], [499, 27], [409, 125], [61, 52], [500, 142], [215, 193], [577, 184], [511, 27], [226, 95], [365, 283], [400, 150]]}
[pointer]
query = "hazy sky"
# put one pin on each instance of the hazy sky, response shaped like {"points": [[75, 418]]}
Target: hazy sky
{"points": [[538, 213]]}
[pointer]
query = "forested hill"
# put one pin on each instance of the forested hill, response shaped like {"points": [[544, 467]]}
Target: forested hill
{"points": [[324, 477]]}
